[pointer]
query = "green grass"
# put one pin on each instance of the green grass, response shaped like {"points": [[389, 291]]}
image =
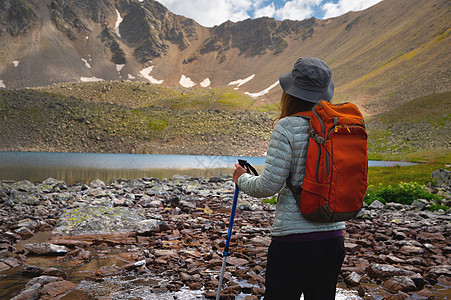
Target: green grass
{"points": [[420, 173], [139, 95]]}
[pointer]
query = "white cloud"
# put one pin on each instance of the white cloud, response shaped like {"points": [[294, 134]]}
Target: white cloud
{"points": [[266, 11], [343, 6], [210, 12], [215, 12], [297, 9]]}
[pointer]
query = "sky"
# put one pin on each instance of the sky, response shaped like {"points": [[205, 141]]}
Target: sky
{"points": [[209, 13]]}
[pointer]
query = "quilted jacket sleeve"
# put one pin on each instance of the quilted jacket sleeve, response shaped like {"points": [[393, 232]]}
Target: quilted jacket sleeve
{"points": [[277, 165]]}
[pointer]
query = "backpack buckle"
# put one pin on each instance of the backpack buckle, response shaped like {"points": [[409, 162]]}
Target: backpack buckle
{"points": [[314, 136]]}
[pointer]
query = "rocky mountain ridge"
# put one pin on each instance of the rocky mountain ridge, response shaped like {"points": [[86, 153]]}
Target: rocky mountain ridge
{"points": [[381, 57]]}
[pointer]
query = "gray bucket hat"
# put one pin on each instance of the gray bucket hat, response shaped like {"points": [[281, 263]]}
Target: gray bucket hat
{"points": [[310, 80]]}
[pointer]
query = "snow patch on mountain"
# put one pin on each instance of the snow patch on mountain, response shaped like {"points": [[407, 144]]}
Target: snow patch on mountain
{"points": [[205, 83], [186, 82], [240, 82], [86, 63], [265, 91], [119, 67], [118, 22], [146, 74], [90, 79]]}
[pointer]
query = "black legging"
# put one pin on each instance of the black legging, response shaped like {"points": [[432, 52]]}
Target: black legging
{"points": [[309, 268]]}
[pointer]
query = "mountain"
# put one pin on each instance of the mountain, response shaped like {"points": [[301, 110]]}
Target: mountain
{"points": [[381, 57]]}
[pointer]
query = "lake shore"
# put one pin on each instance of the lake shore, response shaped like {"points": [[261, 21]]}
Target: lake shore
{"points": [[103, 236]]}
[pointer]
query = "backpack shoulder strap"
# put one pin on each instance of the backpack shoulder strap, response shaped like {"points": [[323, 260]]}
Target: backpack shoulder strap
{"points": [[307, 114]]}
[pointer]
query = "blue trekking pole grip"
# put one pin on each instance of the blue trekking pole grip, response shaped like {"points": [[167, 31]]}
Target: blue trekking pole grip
{"points": [[226, 252]]}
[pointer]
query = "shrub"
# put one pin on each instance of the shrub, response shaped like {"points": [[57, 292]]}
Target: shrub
{"points": [[272, 200], [404, 193]]}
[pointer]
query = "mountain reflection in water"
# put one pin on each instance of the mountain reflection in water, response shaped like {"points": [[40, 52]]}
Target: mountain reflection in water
{"points": [[85, 167]]}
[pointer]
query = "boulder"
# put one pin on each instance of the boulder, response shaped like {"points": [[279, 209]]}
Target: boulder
{"points": [[400, 283], [46, 249], [55, 290], [31, 293], [376, 205], [386, 271], [108, 271], [42, 280]]}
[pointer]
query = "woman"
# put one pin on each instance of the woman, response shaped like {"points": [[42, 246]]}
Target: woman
{"points": [[304, 257]]}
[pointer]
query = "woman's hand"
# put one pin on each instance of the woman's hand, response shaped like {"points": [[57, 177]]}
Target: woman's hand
{"points": [[239, 170]]}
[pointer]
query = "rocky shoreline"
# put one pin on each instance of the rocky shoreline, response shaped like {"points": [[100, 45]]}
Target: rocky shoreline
{"points": [[175, 230]]}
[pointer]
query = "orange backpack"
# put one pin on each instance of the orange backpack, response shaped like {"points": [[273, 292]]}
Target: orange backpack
{"points": [[335, 180]]}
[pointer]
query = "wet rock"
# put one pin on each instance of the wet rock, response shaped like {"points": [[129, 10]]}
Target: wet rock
{"points": [[435, 272], [11, 261], [398, 296], [108, 271], [353, 279], [423, 294], [400, 283], [444, 281], [55, 272], [70, 243], [42, 280], [24, 232], [31, 271], [4, 266], [46, 249], [32, 224], [31, 293], [385, 271], [56, 289]]}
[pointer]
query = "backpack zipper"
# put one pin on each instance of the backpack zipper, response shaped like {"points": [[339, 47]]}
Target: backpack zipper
{"points": [[335, 129], [323, 131]]}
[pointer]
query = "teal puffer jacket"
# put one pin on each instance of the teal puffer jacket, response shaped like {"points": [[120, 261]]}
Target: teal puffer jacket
{"points": [[285, 158]]}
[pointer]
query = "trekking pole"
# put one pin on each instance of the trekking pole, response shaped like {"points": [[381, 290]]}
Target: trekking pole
{"points": [[226, 252]]}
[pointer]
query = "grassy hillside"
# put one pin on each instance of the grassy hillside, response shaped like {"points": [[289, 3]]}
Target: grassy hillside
{"points": [[127, 117], [418, 130], [131, 118], [139, 95]]}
